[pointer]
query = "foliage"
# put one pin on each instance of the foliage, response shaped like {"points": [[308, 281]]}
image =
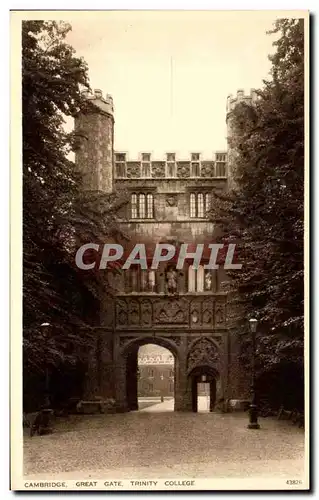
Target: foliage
{"points": [[57, 216], [264, 212]]}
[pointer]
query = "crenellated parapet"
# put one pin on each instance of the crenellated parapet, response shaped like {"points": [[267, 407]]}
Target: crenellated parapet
{"points": [[195, 166], [232, 101], [104, 104]]}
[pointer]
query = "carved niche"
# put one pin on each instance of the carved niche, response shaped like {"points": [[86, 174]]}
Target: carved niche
{"points": [[170, 312], [146, 312], [134, 312], [202, 312], [203, 352], [121, 313], [208, 312], [219, 314]]}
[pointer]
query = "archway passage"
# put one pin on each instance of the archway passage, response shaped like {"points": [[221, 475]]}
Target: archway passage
{"points": [[150, 375], [155, 378], [203, 386]]}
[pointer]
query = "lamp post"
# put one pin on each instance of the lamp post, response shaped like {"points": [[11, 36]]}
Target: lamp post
{"points": [[253, 410]]}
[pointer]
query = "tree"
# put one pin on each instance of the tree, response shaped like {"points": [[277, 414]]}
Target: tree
{"points": [[264, 213], [56, 213]]}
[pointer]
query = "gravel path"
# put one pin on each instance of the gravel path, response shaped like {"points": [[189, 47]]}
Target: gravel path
{"points": [[165, 444]]}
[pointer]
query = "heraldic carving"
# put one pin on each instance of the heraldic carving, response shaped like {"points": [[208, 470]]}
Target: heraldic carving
{"points": [[174, 311], [203, 352]]}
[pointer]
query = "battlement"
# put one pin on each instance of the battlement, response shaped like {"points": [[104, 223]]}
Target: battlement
{"points": [[103, 103], [240, 97], [170, 157], [171, 166]]}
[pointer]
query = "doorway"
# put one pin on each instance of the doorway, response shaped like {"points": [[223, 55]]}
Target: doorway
{"points": [[203, 384], [203, 397]]}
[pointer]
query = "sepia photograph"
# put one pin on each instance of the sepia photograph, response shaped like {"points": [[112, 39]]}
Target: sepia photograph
{"points": [[159, 250]]}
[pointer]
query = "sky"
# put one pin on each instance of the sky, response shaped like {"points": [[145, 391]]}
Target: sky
{"points": [[170, 72]]}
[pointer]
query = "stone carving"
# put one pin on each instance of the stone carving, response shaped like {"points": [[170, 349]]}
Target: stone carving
{"points": [[195, 313], [146, 312], [203, 352], [158, 168], [171, 280], [172, 312], [183, 169], [208, 315], [171, 309], [121, 312], [133, 169], [219, 314], [171, 200], [207, 169], [134, 312], [176, 340]]}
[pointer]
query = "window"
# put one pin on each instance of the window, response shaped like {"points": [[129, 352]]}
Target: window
{"points": [[120, 165], [199, 204], [170, 165], [146, 169], [201, 280], [193, 205], [120, 156], [208, 199], [149, 205], [195, 169], [120, 169], [195, 156], [220, 156], [146, 157], [220, 165], [141, 280], [134, 206], [147, 280], [170, 157], [142, 206], [151, 372], [171, 170], [220, 169]]}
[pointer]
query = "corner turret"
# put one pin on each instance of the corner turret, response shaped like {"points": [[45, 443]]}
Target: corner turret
{"points": [[94, 129]]}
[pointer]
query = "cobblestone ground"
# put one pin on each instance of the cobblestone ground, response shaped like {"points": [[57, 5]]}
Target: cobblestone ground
{"points": [[149, 444]]}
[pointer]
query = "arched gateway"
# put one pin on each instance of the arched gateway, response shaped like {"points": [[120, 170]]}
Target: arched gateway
{"points": [[180, 308], [200, 357]]}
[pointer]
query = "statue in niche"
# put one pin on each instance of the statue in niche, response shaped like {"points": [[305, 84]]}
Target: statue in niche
{"points": [[171, 280], [208, 281]]}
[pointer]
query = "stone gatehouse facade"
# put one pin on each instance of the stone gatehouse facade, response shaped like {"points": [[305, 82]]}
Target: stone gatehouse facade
{"points": [[168, 203]]}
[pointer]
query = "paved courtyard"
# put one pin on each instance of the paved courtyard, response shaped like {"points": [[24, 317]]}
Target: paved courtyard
{"points": [[165, 444]]}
